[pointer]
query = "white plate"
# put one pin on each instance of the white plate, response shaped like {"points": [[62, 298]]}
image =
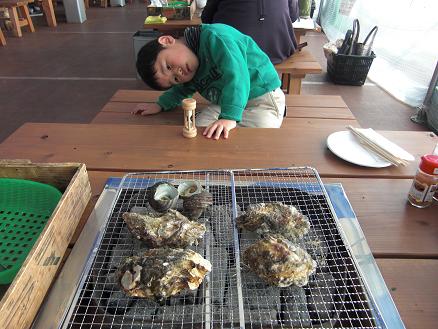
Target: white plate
{"points": [[346, 146]]}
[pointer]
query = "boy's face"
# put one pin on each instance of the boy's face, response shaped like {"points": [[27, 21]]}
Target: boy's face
{"points": [[175, 64]]}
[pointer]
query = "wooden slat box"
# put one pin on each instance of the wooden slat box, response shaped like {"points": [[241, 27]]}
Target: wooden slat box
{"points": [[20, 302]]}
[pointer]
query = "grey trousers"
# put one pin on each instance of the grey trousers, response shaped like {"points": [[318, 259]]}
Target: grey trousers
{"points": [[265, 111]]}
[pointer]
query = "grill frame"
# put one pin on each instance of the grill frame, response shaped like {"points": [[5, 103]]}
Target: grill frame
{"points": [[238, 180]]}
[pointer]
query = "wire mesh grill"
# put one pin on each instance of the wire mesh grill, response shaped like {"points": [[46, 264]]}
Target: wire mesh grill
{"points": [[231, 296]]}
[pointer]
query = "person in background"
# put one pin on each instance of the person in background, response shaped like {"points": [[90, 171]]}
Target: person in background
{"points": [[268, 22], [225, 66], [312, 8]]}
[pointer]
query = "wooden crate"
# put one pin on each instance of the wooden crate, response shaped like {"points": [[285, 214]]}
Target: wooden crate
{"points": [[20, 302]]}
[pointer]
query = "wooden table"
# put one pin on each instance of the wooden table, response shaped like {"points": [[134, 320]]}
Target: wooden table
{"points": [[118, 147], [402, 238]]}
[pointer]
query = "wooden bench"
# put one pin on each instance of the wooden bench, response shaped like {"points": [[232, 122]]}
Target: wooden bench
{"points": [[295, 68], [310, 109], [19, 15]]}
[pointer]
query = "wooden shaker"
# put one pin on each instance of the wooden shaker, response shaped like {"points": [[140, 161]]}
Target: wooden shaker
{"points": [[189, 107]]}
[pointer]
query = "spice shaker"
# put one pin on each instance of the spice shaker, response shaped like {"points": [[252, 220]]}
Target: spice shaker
{"points": [[425, 182]]}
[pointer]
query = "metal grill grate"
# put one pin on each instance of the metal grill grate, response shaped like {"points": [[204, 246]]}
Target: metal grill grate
{"points": [[231, 295]]}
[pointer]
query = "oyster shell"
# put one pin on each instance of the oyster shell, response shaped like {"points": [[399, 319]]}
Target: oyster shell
{"points": [[279, 262], [171, 229], [188, 188], [274, 217], [162, 196], [161, 273], [195, 204]]}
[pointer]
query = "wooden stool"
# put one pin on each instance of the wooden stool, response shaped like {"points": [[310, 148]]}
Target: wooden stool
{"points": [[2, 38], [19, 15]]}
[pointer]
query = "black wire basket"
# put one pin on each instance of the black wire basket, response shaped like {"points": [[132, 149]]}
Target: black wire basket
{"points": [[349, 69]]}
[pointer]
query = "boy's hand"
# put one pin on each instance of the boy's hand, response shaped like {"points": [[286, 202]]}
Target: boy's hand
{"points": [[217, 128], [146, 109]]}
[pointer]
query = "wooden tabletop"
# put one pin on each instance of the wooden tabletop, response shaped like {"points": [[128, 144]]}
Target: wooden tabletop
{"points": [[137, 148], [404, 239]]}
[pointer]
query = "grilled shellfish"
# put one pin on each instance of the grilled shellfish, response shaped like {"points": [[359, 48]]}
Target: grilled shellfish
{"points": [[161, 273], [279, 262], [276, 218], [189, 188], [162, 196], [195, 204], [171, 229]]}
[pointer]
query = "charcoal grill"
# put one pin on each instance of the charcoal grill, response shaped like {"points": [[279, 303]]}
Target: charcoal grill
{"points": [[231, 296]]}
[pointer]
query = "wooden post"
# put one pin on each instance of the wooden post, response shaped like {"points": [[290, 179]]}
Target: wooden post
{"points": [[189, 107]]}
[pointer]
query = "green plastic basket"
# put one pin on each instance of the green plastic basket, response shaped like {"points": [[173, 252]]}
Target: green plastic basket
{"points": [[25, 207]]}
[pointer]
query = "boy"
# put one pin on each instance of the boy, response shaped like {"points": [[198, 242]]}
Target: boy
{"points": [[225, 66]]}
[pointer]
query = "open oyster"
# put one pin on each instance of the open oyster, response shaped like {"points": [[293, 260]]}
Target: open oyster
{"points": [[171, 229], [189, 188], [275, 218], [162, 196], [195, 204], [161, 273], [279, 262]]}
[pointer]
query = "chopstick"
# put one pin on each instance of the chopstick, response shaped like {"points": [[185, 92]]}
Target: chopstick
{"points": [[374, 147]]}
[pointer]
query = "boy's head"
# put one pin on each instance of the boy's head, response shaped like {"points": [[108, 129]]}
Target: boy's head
{"points": [[165, 62]]}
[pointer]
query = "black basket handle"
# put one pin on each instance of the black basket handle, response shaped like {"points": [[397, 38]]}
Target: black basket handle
{"points": [[371, 35], [355, 36]]}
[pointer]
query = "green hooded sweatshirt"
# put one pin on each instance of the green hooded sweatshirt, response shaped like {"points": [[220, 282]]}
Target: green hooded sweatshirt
{"points": [[232, 69]]}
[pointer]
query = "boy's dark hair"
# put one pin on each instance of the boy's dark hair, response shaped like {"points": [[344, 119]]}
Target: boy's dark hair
{"points": [[145, 63]]}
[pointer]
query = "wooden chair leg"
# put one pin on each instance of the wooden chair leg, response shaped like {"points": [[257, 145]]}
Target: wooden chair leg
{"points": [[285, 82], [24, 10], [103, 3], [2, 38], [295, 84], [49, 13], [15, 20]]}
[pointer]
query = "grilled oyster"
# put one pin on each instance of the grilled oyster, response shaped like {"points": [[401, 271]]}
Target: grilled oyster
{"points": [[276, 218], [188, 188], [195, 204], [161, 273], [279, 262], [162, 196], [171, 229]]}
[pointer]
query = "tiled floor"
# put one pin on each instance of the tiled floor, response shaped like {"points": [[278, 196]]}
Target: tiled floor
{"points": [[67, 73]]}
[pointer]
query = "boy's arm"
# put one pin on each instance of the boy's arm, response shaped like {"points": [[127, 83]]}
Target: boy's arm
{"points": [[231, 60], [173, 97], [209, 11]]}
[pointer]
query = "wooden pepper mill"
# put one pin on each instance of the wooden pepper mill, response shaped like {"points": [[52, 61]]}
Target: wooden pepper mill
{"points": [[189, 107]]}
